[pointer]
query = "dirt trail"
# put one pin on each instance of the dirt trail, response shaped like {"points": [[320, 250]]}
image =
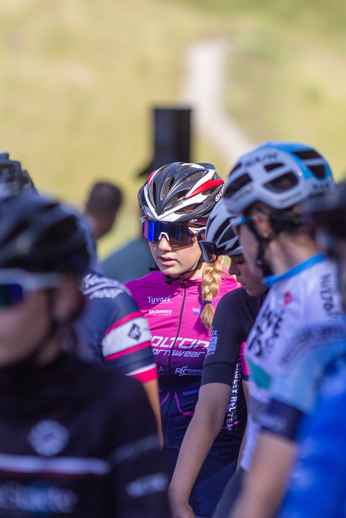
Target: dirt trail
{"points": [[202, 89]]}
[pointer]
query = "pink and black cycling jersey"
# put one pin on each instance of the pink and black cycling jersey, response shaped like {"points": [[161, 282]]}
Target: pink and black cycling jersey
{"points": [[180, 342]]}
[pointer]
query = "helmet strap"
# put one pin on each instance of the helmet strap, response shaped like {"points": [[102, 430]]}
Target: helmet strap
{"points": [[169, 279], [263, 242]]}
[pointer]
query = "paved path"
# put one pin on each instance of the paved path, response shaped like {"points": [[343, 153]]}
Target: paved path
{"points": [[202, 89]]}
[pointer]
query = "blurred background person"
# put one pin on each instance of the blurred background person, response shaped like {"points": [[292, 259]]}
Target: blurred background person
{"points": [[73, 420], [101, 208], [286, 361], [317, 487]]}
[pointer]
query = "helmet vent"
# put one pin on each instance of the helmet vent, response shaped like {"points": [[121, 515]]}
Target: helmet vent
{"points": [[307, 154], [166, 187], [282, 183], [237, 184], [272, 167], [189, 208], [235, 168], [182, 167], [165, 169], [194, 177], [318, 170], [221, 229]]}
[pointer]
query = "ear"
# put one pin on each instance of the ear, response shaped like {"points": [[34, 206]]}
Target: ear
{"points": [[263, 225], [67, 299]]}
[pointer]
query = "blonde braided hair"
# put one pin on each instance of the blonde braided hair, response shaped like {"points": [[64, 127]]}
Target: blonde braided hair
{"points": [[210, 288]]}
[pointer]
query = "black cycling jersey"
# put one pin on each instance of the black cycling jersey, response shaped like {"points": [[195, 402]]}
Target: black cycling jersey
{"points": [[233, 320], [77, 440]]}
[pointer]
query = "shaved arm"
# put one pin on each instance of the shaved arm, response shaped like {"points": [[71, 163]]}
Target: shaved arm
{"points": [[265, 483]]}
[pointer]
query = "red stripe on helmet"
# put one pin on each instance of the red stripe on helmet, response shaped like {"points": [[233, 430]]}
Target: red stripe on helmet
{"points": [[209, 184], [150, 177]]}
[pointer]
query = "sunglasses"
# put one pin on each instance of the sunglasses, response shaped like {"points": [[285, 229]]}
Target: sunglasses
{"points": [[177, 235], [240, 220], [209, 250], [16, 285]]}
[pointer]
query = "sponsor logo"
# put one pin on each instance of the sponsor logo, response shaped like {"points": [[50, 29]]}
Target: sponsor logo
{"points": [[92, 280], [135, 332], [185, 371], [105, 293], [310, 339], [287, 298], [242, 193], [258, 159], [264, 334], [218, 196], [158, 300], [160, 312], [15, 497], [48, 438], [212, 342], [196, 311], [180, 343], [327, 295]]}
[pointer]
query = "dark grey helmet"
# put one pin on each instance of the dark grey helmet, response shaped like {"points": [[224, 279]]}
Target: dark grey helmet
{"points": [[182, 193]]}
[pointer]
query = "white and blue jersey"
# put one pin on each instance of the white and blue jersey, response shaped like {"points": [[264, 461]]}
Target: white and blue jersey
{"points": [[295, 336], [317, 488]]}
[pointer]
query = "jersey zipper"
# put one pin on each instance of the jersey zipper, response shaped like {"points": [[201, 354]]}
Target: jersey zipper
{"points": [[171, 397]]}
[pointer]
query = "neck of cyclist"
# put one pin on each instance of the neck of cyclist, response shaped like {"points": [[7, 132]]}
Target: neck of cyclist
{"points": [[285, 251]]}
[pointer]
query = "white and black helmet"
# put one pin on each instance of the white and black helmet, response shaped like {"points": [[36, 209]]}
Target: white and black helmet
{"points": [[182, 193], [280, 174], [219, 231]]}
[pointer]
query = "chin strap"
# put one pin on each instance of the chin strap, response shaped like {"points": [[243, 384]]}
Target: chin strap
{"points": [[263, 242], [169, 279]]}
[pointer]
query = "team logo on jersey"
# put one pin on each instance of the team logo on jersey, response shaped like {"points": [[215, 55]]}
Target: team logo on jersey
{"points": [[212, 342], [48, 438], [135, 332], [287, 298]]}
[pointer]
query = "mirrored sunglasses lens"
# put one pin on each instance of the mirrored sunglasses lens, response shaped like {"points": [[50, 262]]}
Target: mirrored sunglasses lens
{"points": [[180, 236], [150, 230], [10, 294]]}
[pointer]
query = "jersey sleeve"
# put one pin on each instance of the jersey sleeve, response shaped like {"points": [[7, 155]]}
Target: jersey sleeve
{"points": [[227, 335], [302, 366], [139, 484], [127, 342]]}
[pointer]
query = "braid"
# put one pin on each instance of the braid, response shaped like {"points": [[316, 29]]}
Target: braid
{"points": [[210, 288]]}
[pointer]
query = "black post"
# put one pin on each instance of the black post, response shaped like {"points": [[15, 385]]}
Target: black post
{"points": [[172, 137]]}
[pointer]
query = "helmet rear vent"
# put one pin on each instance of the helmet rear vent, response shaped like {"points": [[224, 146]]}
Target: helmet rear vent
{"points": [[282, 183], [194, 177], [237, 184], [307, 154], [273, 166], [318, 170], [182, 167]]}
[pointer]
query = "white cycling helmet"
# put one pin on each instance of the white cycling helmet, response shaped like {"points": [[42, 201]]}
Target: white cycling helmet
{"points": [[280, 174], [219, 235]]}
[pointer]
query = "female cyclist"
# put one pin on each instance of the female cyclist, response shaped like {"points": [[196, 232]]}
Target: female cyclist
{"points": [[178, 301], [76, 439], [287, 348], [223, 371]]}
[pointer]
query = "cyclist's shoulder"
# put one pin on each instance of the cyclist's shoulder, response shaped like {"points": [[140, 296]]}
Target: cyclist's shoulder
{"points": [[153, 280]]}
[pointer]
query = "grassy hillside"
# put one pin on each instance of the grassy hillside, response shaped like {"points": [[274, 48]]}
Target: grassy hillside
{"points": [[78, 78]]}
